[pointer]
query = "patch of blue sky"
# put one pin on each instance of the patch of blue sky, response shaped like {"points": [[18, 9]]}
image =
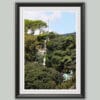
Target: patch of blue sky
{"points": [[65, 24]]}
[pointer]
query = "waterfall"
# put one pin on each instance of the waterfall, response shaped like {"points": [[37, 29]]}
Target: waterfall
{"points": [[68, 76], [71, 72], [44, 61], [44, 58]]}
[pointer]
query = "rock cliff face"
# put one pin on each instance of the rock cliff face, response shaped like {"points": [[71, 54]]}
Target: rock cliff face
{"points": [[42, 51]]}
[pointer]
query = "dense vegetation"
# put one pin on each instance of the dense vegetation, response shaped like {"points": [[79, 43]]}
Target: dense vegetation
{"points": [[40, 77], [60, 58]]}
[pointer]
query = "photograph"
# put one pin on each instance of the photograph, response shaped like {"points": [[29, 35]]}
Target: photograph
{"points": [[50, 49], [49, 46]]}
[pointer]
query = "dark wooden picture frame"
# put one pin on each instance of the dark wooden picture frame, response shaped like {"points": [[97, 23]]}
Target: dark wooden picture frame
{"points": [[17, 50]]}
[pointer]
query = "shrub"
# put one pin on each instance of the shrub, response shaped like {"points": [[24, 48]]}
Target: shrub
{"points": [[39, 77], [67, 84]]}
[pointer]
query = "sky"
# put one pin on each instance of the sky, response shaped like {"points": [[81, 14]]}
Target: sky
{"points": [[60, 22]]}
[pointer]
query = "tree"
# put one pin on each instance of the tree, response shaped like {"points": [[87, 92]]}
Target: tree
{"points": [[30, 48], [39, 77], [28, 24], [39, 24], [34, 25], [61, 52]]}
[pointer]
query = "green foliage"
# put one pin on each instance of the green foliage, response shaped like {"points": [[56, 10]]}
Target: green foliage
{"points": [[68, 84], [60, 58], [34, 25], [32, 45], [39, 77], [61, 52], [42, 37], [52, 35], [28, 25], [30, 49]]}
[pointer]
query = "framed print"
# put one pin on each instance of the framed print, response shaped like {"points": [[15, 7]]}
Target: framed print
{"points": [[50, 50]]}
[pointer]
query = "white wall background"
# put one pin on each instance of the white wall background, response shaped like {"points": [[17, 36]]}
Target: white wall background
{"points": [[7, 43]]}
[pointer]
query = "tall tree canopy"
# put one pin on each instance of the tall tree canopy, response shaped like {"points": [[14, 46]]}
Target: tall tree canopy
{"points": [[34, 25]]}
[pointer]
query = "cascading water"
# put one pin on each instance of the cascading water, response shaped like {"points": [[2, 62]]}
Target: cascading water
{"points": [[68, 76], [44, 58], [44, 61]]}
